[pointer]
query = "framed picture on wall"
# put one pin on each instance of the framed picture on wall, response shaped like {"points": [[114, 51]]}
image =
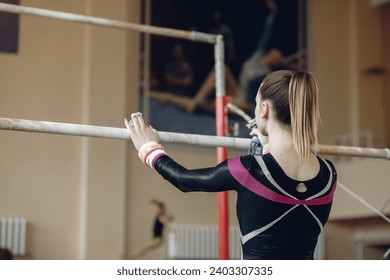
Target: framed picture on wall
{"points": [[9, 29], [259, 37]]}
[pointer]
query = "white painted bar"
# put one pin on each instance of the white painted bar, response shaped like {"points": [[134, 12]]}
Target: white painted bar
{"points": [[118, 133], [162, 31], [171, 137]]}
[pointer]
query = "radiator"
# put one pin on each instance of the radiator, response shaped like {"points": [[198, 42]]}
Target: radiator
{"points": [[199, 242], [13, 235]]}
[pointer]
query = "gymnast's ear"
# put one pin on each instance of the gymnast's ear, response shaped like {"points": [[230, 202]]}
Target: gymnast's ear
{"points": [[264, 110]]}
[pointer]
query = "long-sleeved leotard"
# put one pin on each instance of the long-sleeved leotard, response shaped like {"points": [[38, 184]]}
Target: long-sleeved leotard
{"points": [[276, 220]]}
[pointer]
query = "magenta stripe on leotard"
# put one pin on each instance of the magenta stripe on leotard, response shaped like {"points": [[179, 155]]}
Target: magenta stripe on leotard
{"points": [[242, 175]]}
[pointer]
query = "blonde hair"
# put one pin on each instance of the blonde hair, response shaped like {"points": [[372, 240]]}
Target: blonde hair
{"points": [[294, 96]]}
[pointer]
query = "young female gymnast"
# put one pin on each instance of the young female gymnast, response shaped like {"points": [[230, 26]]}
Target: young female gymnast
{"points": [[284, 196], [161, 221]]}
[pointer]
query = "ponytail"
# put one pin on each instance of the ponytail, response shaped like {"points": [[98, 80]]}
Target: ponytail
{"points": [[304, 113]]}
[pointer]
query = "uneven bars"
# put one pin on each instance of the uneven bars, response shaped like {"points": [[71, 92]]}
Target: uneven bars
{"points": [[171, 137], [162, 31]]}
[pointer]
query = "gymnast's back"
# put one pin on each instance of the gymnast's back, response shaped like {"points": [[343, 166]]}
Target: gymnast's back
{"points": [[279, 217]]}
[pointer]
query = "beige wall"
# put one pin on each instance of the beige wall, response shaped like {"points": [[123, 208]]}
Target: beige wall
{"points": [[330, 44], [368, 178], [345, 42], [68, 188], [361, 238], [40, 174], [89, 198], [370, 54]]}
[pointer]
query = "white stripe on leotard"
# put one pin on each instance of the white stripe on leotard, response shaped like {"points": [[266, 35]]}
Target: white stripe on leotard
{"points": [[268, 175], [328, 185], [250, 235], [264, 168]]}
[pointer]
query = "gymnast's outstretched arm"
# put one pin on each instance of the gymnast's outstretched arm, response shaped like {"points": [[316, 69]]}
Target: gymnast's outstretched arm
{"points": [[204, 179], [146, 141]]}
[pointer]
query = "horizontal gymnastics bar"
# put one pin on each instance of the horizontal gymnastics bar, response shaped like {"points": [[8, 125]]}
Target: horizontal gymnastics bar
{"points": [[171, 137], [162, 31], [350, 151], [119, 133]]}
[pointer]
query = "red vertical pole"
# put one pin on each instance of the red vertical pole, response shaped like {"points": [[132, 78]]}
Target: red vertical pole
{"points": [[221, 127], [223, 207]]}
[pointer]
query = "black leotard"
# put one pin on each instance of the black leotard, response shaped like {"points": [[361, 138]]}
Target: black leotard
{"points": [[276, 221], [158, 228]]}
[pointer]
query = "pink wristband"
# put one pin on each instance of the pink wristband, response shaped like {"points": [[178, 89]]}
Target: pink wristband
{"points": [[149, 152]]}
